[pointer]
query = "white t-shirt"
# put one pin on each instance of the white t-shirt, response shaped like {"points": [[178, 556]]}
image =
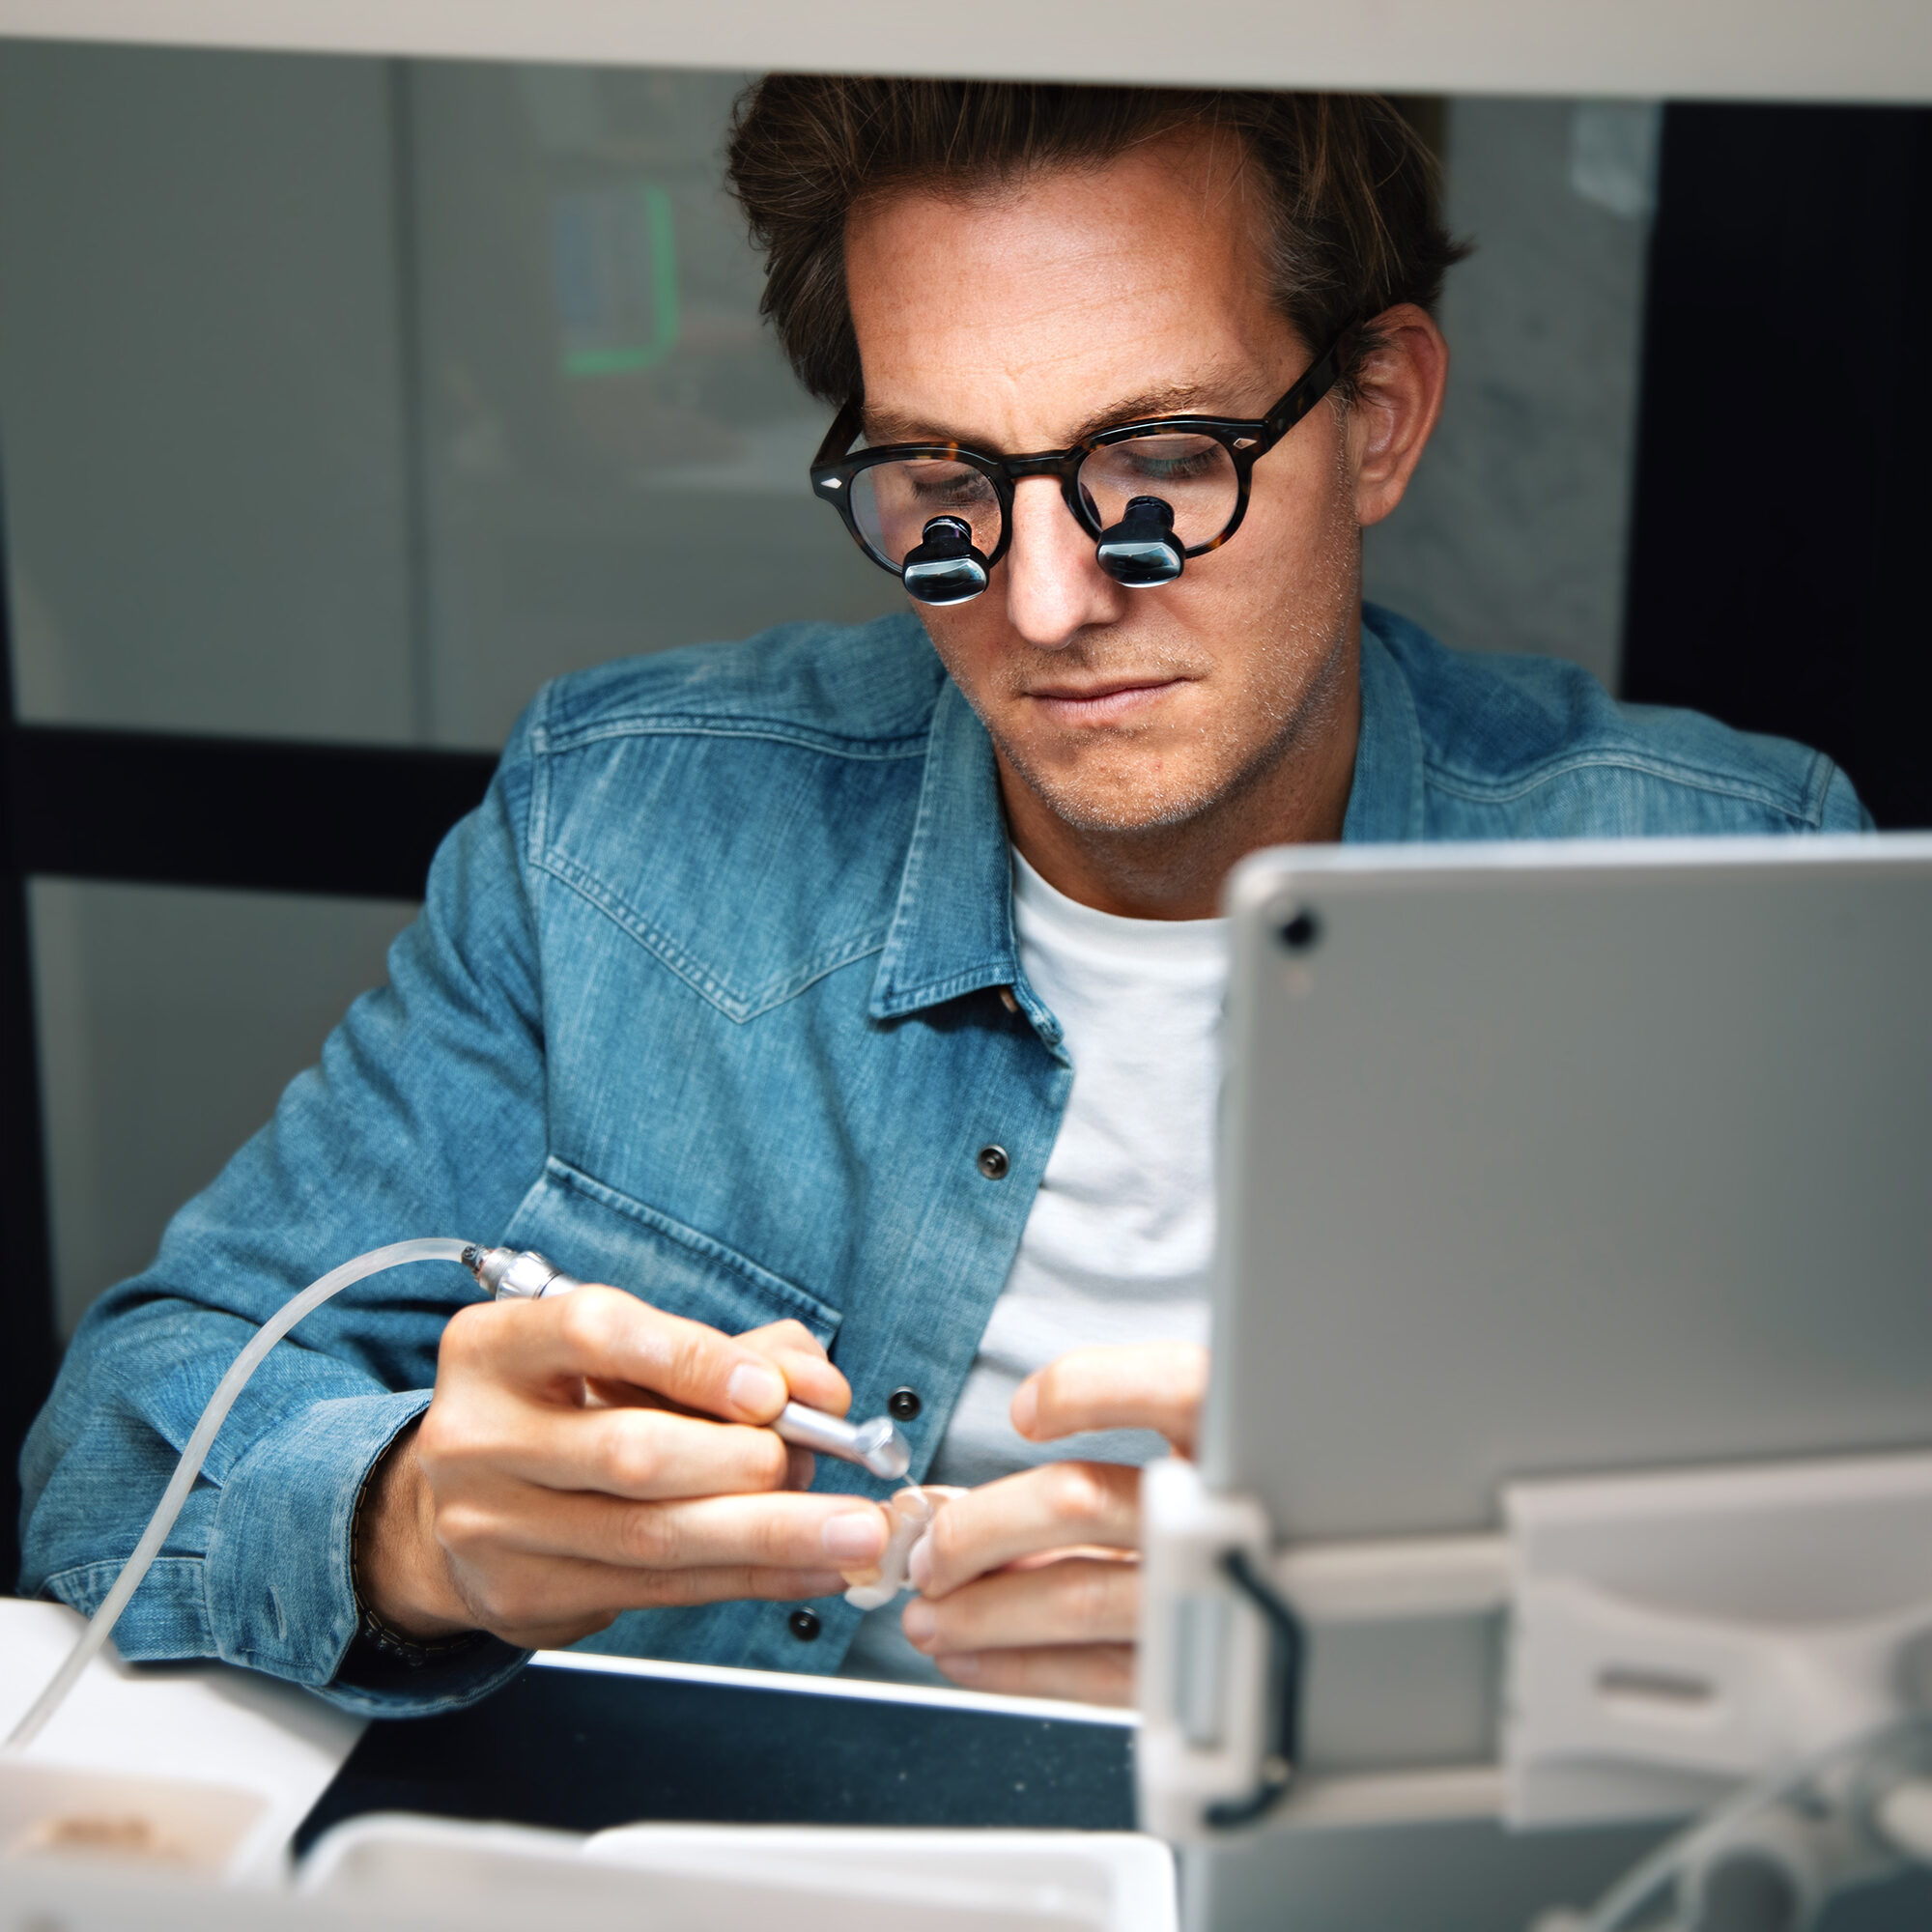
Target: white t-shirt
{"points": [[1116, 1246]]}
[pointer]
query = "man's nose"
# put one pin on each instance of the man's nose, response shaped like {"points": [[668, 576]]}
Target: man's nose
{"points": [[1055, 586]]}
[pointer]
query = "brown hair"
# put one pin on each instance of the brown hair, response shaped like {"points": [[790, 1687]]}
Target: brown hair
{"points": [[1352, 188]]}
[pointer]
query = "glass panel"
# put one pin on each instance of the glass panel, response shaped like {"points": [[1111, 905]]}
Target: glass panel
{"points": [[199, 392], [615, 452], [1512, 536], [350, 399], [170, 1023]]}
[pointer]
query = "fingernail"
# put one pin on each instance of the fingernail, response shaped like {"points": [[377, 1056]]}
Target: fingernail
{"points": [[919, 1622], [858, 1536], [919, 1563], [1025, 1407], [965, 1666], [756, 1388]]}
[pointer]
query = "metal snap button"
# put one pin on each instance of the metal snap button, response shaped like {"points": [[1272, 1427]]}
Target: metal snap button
{"points": [[903, 1405], [993, 1163], [804, 1625]]}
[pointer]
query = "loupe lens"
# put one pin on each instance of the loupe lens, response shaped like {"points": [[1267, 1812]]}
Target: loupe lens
{"points": [[945, 567], [1142, 551]]}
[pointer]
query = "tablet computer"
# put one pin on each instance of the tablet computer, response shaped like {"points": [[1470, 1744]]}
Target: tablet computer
{"points": [[1558, 1158]]}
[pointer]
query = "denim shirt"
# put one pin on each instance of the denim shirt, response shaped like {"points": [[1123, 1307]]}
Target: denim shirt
{"points": [[703, 1001]]}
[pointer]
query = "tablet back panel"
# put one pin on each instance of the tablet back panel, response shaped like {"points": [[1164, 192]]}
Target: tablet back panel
{"points": [[1569, 1157], [1559, 1158]]}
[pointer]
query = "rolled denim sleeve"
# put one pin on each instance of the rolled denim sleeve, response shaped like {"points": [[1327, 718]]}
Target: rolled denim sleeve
{"points": [[425, 1116]]}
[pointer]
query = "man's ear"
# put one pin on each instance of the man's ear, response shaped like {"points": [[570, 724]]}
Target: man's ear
{"points": [[1398, 398]]}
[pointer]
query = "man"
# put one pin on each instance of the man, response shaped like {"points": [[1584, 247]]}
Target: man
{"points": [[848, 999]]}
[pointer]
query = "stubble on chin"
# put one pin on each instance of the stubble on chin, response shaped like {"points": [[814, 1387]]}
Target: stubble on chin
{"points": [[1161, 775], [1105, 778]]}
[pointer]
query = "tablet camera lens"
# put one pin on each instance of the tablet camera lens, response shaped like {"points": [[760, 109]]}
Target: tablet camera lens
{"points": [[1299, 933]]}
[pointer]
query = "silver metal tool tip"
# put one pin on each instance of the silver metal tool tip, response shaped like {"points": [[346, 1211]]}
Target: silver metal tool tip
{"points": [[882, 1449]]}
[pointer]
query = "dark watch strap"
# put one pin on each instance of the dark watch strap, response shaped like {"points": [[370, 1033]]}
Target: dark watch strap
{"points": [[371, 1633], [414, 1651]]}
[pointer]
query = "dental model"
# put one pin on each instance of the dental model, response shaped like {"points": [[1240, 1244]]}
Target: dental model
{"points": [[912, 1511]]}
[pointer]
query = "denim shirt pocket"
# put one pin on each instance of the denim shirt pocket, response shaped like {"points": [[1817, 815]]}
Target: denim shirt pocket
{"points": [[598, 1234]]}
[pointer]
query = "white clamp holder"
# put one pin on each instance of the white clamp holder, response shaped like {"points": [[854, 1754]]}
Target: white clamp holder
{"points": [[1216, 1744], [1670, 1634]]}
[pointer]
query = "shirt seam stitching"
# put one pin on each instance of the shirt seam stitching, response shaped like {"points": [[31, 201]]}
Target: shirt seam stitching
{"points": [[871, 751], [736, 1006], [1476, 792]]}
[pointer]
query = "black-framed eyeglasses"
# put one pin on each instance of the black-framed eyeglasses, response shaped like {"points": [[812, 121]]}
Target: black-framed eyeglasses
{"points": [[1152, 495]]}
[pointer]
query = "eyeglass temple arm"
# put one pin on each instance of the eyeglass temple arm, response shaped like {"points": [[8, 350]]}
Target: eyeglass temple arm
{"points": [[1320, 377], [840, 437]]}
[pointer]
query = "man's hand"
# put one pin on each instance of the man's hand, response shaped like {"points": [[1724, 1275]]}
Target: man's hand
{"points": [[1031, 1584], [568, 1468]]}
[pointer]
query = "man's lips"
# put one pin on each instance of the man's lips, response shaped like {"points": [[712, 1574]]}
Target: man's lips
{"points": [[1105, 701]]}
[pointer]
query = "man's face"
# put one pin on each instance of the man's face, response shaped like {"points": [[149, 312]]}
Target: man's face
{"points": [[1024, 318]]}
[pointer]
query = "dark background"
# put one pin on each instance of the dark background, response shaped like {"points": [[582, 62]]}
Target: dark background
{"points": [[1777, 539], [1783, 495]]}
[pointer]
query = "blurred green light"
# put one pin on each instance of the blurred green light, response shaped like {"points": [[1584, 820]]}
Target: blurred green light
{"points": [[625, 359]]}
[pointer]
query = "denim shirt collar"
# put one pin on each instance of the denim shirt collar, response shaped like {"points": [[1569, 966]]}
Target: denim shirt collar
{"points": [[1385, 804], [951, 929]]}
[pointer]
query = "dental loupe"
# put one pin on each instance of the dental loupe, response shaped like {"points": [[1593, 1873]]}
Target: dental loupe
{"points": [[945, 566], [1141, 552]]}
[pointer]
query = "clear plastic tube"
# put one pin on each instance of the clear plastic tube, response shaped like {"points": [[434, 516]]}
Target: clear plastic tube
{"points": [[100, 1626], [1881, 1759]]}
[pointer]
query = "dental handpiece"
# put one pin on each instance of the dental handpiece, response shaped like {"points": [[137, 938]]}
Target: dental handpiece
{"points": [[509, 1274]]}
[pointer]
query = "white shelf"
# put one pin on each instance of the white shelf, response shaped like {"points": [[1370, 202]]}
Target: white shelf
{"points": [[1876, 50]]}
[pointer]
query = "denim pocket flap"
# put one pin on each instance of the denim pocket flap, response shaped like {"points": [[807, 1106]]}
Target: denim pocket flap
{"points": [[597, 1234]]}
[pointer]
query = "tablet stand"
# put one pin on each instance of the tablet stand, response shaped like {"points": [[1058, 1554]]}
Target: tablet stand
{"points": [[1670, 1636]]}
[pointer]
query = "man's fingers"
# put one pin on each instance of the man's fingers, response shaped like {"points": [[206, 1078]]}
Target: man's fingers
{"points": [[784, 1531], [1102, 1673], [537, 1603], [1079, 1600], [800, 1358], [1156, 1385], [646, 1455], [602, 1332], [1050, 1508]]}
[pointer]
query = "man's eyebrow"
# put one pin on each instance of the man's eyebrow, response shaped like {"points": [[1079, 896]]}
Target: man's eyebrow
{"points": [[890, 426], [1177, 399]]}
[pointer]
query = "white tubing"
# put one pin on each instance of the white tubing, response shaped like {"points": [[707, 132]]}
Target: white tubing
{"points": [[431, 1249], [1680, 1855], [1904, 1816]]}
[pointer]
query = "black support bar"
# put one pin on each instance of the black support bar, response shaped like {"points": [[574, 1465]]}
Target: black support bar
{"points": [[26, 1277], [360, 820], [1783, 495]]}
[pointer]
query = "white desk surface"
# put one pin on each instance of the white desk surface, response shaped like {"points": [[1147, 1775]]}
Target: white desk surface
{"points": [[211, 1723], [200, 1723]]}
